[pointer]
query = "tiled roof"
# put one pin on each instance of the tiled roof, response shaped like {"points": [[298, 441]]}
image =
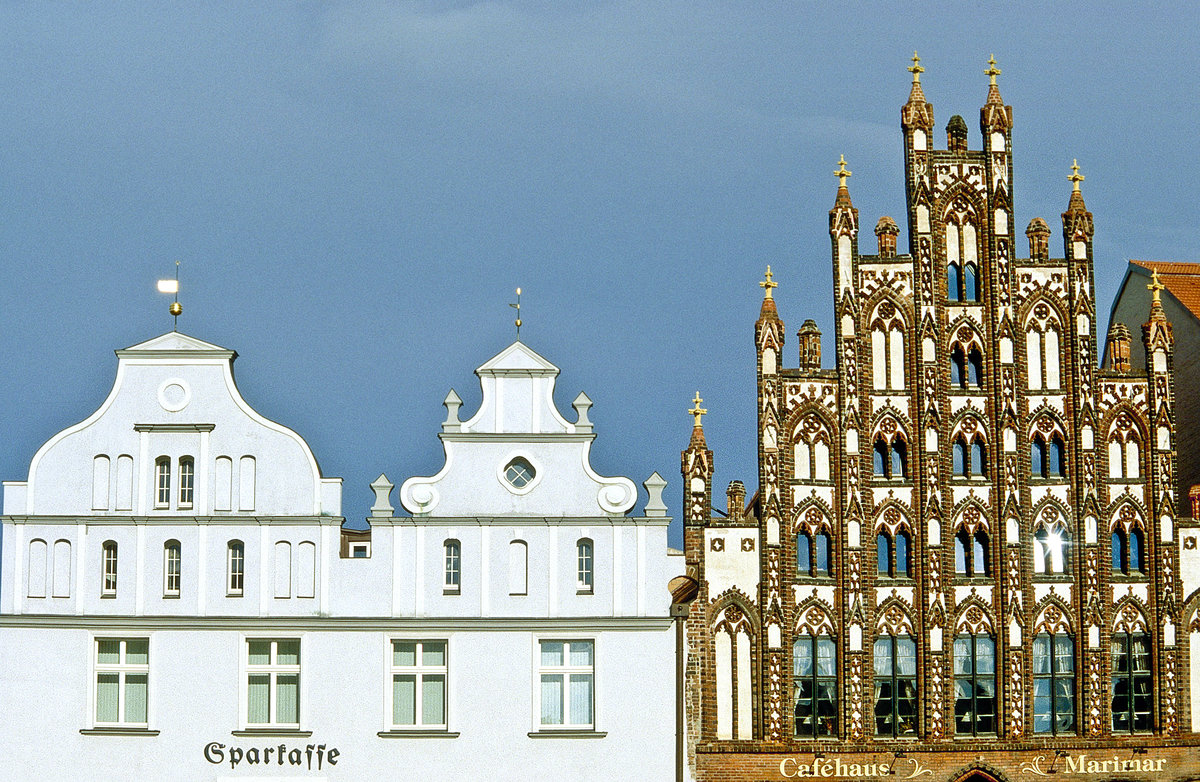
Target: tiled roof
{"points": [[1182, 280]]}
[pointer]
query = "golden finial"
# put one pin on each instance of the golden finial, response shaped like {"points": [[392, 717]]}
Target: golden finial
{"points": [[698, 411], [992, 72], [1075, 178], [1155, 287], [842, 173], [172, 286], [517, 307], [768, 283], [915, 69]]}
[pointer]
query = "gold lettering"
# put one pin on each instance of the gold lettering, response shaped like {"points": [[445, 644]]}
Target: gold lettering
{"points": [[855, 770], [1159, 762], [1075, 764], [783, 766]]}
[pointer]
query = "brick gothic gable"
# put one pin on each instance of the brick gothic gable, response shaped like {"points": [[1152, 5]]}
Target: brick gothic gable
{"points": [[964, 471]]}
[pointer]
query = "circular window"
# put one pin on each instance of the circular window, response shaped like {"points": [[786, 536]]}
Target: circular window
{"points": [[519, 473]]}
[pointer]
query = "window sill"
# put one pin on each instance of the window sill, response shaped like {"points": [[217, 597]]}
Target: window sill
{"points": [[115, 731], [234, 594], [282, 732], [170, 597], [108, 595], [417, 734], [567, 734], [452, 591], [584, 592]]}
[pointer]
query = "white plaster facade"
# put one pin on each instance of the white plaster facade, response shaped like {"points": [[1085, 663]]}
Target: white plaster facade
{"points": [[138, 653]]}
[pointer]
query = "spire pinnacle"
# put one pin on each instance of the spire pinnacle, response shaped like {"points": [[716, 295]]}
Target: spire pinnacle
{"points": [[1155, 287], [842, 173], [992, 72], [768, 283], [1075, 178], [698, 411], [915, 69], [172, 286], [517, 307]]}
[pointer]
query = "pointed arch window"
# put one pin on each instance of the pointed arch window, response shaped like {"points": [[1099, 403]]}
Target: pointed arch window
{"points": [[1046, 456], [970, 282], [1042, 356], [1050, 547], [969, 460], [953, 280], [971, 553], [887, 356], [1124, 455], [892, 554], [1132, 683], [812, 554], [1127, 551], [814, 685]]}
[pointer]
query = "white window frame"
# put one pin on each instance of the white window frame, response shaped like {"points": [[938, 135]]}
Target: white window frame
{"points": [[418, 671], [172, 581], [452, 566], [565, 671], [122, 669], [108, 568], [585, 566], [273, 669], [239, 589], [162, 483], [187, 482]]}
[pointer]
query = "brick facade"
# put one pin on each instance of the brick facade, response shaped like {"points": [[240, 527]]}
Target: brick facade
{"points": [[963, 547]]}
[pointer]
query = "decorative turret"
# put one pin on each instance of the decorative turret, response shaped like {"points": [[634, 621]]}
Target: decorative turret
{"points": [[735, 501], [994, 117], [697, 469], [917, 114], [1077, 220], [1118, 348], [956, 134], [886, 232], [810, 346], [1038, 234], [843, 229]]}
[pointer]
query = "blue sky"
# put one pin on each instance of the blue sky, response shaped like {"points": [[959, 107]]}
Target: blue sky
{"points": [[354, 191]]}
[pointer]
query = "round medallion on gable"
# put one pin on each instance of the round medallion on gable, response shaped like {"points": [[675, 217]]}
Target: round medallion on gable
{"points": [[174, 395]]}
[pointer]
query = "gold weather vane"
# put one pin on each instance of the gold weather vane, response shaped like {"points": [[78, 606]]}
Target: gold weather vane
{"points": [[1155, 287], [915, 69], [766, 285], [842, 173], [992, 72], [1075, 178], [172, 286], [517, 307], [698, 411]]}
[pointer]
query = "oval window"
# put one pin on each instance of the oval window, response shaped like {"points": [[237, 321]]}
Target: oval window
{"points": [[519, 473]]}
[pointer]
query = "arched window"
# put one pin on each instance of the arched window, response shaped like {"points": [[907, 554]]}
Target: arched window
{"points": [[1046, 456], [1124, 453], [172, 568], [960, 457], [895, 686], [39, 553], [899, 459], [812, 554], [953, 282], [971, 553], [958, 367], [162, 482], [187, 481], [974, 685], [881, 457], [235, 568], [970, 282], [969, 461], [1132, 683], [108, 581], [518, 567], [1053, 683], [892, 554], [452, 571], [978, 458], [975, 368], [1050, 550], [814, 684], [583, 565], [1042, 354], [887, 356], [1126, 551]]}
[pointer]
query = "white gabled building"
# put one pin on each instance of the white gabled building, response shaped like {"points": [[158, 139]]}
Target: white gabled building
{"points": [[178, 599]]}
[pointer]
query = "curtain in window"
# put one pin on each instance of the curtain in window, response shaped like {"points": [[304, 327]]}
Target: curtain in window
{"points": [[107, 685], [259, 699], [135, 697], [552, 699], [287, 690], [404, 699], [581, 699]]}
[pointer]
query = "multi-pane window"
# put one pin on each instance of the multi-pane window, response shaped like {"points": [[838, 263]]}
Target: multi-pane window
{"points": [[971, 553], [452, 572], [966, 367], [895, 686], [1127, 554], [892, 554], [122, 677], [1042, 358], [187, 481], [814, 685], [1046, 456], [519, 473], [171, 568], [891, 458], [419, 684], [1053, 683], [1050, 550], [108, 576], [974, 685], [273, 682], [1124, 458], [583, 565], [235, 568], [567, 671], [812, 554], [162, 482], [887, 357], [1132, 682], [969, 460]]}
